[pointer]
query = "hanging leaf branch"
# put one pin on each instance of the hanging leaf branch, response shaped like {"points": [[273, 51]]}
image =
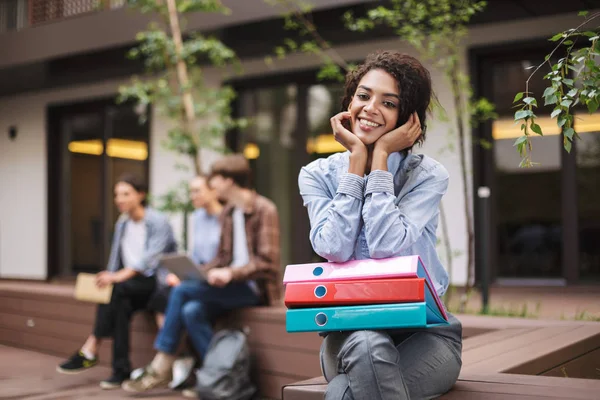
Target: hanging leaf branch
{"points": [[573, 79], [297, 18]]}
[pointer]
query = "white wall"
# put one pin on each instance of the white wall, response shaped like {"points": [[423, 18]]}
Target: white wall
{"points": [[23, 191]]}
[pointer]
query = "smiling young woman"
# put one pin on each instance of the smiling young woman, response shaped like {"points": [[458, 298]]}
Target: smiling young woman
{"points": [[379, 200]]}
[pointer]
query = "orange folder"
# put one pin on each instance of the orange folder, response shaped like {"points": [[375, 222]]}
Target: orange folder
{"points": [[339, 293]]}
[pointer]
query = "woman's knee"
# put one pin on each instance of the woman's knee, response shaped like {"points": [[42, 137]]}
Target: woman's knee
{"points": [[362, 347], [339, 389]]}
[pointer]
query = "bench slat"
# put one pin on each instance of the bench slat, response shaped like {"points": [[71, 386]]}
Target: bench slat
{"points": [[546, 349], [483, 355], [493, 337]]}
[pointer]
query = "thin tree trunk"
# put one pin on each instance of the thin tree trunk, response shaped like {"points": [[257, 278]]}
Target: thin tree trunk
{"points": [[460, 113], [448, 248], [182, 76]]}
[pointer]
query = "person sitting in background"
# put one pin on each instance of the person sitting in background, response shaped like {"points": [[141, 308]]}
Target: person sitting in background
{"points": [[206, 231], [244, 273], [141, 235]]}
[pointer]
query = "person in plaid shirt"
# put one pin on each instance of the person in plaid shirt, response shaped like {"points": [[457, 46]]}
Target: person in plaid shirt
{"points": [[245, 272]]}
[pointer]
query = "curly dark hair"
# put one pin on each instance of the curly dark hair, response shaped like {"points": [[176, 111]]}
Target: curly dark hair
{"points": [[414, 85]]}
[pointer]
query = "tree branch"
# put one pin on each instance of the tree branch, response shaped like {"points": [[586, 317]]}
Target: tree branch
{"points": [[293, 8]]}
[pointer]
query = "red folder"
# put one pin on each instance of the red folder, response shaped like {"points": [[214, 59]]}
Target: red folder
{"points": [[339, 293]]}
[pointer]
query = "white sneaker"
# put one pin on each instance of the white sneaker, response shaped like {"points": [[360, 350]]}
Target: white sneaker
{"points": [[182, 369]]}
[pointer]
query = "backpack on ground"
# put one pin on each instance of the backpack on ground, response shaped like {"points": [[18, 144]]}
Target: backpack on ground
{"points": [[225, 373]]}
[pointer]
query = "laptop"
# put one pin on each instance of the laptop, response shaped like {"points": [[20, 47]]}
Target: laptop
{"points": [[182, 266]]}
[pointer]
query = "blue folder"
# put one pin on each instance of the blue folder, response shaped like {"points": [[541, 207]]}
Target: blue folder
{"points": [[351, 318]]}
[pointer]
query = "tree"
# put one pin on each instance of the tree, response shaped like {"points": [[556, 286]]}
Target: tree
{"points": [[174, 85], [572, 80], [436, 29]]}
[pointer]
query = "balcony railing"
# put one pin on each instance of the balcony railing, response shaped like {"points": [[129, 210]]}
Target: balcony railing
{"points": [[20, 14]]}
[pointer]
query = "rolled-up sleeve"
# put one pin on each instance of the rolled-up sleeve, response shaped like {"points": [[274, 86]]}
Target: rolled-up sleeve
{"points": [[335, 220]]}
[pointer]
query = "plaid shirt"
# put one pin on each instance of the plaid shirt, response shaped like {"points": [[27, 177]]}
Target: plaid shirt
{"points": [[262, 235]]}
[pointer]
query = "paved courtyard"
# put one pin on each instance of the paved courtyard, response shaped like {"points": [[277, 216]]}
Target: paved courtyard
{"points": [[29, 375]]}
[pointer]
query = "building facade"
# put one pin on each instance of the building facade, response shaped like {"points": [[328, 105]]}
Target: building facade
{"points": [[64, 140]]}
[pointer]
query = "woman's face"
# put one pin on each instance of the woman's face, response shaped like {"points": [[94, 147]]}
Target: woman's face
{"points": [[127, 198], [200, 193], [374, 107]]}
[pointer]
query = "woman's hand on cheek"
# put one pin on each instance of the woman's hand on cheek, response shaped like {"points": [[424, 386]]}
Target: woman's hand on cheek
{"points": [[400, 138], [346, 138]]}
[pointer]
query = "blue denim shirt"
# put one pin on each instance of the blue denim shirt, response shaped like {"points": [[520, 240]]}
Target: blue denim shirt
{"points": [[382, 215], [159, 240], [207, 234]]}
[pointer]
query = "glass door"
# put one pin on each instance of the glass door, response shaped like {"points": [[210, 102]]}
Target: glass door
{"points": [[90, 146]]}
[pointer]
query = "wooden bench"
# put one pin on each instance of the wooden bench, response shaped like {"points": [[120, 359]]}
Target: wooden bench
{"points": [[45, 317], [482, 387]]}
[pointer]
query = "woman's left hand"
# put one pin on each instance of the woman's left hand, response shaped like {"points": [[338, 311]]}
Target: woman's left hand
{"points": [[400, 138]]}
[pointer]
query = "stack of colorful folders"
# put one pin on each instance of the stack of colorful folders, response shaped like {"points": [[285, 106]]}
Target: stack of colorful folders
{"points": [[390, 293]]}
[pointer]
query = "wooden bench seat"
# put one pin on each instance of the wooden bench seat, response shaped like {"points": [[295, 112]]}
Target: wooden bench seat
{"points": [[481, 387], [46, 318]]}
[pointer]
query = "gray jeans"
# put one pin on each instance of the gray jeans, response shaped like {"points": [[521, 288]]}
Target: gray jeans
{"points": [[392, 365]]}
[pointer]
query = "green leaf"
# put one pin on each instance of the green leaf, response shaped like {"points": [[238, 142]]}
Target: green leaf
{"points": [[592, 106], [562, 121], [568, 82], [536, 128], [550, 100], [567, 42], [573, 92], [556, 38], [522, 114], [569, 133], [568, 146], [555, 112], [530, 100], [518, 97], [566, 103], [549, 91], [583, 13], [520, 141]]}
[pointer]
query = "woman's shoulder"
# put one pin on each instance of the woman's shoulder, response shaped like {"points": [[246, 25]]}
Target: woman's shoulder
{"points": [[426, 164]]}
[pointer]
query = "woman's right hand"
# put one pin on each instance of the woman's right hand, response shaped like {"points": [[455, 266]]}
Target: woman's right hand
{"points": [[344, 137], [172, 280]]}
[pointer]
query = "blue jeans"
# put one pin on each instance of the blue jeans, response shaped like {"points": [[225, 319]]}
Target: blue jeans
{"points": [[193, 305], [401, 365]]}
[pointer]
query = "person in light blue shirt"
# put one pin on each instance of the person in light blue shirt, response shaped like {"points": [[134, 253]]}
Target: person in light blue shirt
{"points": [[380, 200], [206, 231]]}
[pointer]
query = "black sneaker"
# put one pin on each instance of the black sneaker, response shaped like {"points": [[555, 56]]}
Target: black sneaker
{"points": [[76, 364], [114, 382]]}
